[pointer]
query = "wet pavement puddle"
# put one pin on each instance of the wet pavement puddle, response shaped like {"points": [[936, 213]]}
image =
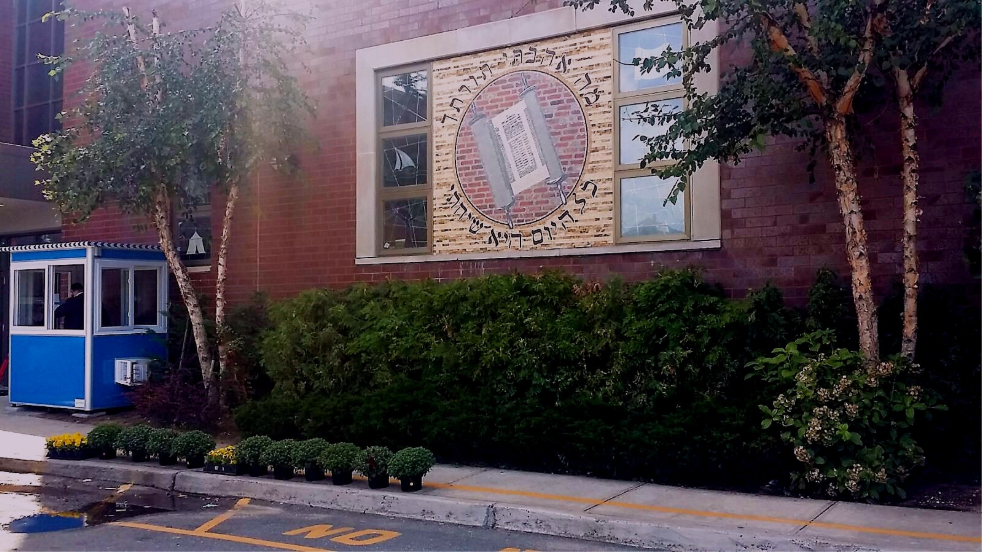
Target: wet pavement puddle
{"points": [[92, 514]]}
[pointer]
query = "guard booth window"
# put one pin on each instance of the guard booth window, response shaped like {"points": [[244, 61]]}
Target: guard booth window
{"points": [[29, 306], [115, 297]]}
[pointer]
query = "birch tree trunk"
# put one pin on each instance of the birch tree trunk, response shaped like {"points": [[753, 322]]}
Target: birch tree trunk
{"points": [[196, 317], [910, 211], [849, 201], [220, 281]]}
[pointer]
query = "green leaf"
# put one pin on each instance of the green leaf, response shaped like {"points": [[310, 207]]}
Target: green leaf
{"points": [[766, 423]]}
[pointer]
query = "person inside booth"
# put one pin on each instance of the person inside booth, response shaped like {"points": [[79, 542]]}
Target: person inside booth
{"points": [[70, 315]]}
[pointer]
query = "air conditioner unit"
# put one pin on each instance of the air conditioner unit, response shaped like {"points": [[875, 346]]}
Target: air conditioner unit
{"points": [[132, 371]]}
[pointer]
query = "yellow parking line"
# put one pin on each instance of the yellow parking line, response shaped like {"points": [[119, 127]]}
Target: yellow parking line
{"points": [[704, 513], [218, 536], [212, 523]]}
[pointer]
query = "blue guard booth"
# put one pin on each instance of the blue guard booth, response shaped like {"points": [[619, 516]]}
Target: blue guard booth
{"points": [[86, 320]]}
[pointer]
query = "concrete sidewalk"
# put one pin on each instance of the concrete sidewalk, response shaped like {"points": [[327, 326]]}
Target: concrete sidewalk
{"points": [[580, 507]]}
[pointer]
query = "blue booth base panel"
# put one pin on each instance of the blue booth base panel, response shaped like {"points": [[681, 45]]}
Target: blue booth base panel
{"points": [[106, 393], [47, 370]]}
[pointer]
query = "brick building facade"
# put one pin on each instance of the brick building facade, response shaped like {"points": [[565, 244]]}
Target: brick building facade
{"points": [[291, 234]]}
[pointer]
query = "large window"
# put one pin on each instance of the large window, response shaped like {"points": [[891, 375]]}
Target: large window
{"points": [[29, 301], [404, 184], [642, 214], [37, 96], [130, 297]]}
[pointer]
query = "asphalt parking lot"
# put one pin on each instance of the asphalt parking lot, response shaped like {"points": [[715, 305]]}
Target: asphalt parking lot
{"points": [[44, 513]]}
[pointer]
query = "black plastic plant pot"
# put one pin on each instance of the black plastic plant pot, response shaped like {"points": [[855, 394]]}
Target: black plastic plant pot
{"points": [[55, 454], [223, 469], [167, 459], [195, 462], [138, 456], [107, 454], [256, 470], [283, 473], [341, 478], [379, 481], [411, 484], [312, 472]]}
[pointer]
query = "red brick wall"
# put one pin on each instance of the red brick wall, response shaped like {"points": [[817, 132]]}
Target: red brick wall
{"points": [[6, 70], [294, 234]]}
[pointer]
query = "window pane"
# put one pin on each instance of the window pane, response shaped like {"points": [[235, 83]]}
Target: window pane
{"points": [[38, 121], [59, 47], [631, 150], [19, 87], [19, 127], [37, 8], [22, 10], [21, 46], [642, 44], [38, 83], [115, 298], [38, 40], [145, 297], [405, 223], [641, 209], [29, 310], [405, 161], [405, 98], [68, 298]]}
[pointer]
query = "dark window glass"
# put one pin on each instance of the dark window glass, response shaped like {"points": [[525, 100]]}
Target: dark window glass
{"points": [[405, 223], [37, 8], [59, 38], [145, 297], [38, 84], [38, 121], [405, 98], [69, 315], [22, 10], [115, 298], [19, 87], [56, 123], [405, 161], [39, 39], [21, 45]]}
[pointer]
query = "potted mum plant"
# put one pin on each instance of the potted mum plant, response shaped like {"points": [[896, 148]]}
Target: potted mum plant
{"points": [[223, 461], [159, 444], [409, 466], [248, 451], [340, 459], [69, 446], [102, 440], [306, 454], [374, 463], [133, 441], [280, 455], [193, 446]]}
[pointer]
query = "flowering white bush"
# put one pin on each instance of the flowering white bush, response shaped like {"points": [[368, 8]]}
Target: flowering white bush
{"points": [[849, 426]]}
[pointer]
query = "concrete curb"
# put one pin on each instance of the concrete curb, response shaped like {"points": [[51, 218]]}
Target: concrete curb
{"points": [[679, 538]]}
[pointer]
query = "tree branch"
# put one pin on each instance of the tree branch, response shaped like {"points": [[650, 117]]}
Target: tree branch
{"points": [[131, 30], [918, 77], [845, 104], [779, 43]]}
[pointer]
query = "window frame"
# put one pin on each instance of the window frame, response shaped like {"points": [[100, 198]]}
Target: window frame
{"points": [[655, 94], [48, 266], [384, 194], [130, 268]]}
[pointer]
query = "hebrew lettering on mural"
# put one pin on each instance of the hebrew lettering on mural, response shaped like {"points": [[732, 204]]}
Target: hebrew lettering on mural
{"points": [[476, 225], [549, 233], [493, 239], [567, 214], [590, 98], [537, 236], [551, 53], [464, 88], [486, 67], [594, 187], [517, 56], [516, 235], [455, 107], [445, 117], [582, 202], [587, 81], [532, 51], [454, 197], [562, 64], [474, 80], [462, 208]]}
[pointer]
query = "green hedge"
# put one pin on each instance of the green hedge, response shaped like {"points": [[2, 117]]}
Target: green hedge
{"points": [[543, 372], [548, 372]]}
